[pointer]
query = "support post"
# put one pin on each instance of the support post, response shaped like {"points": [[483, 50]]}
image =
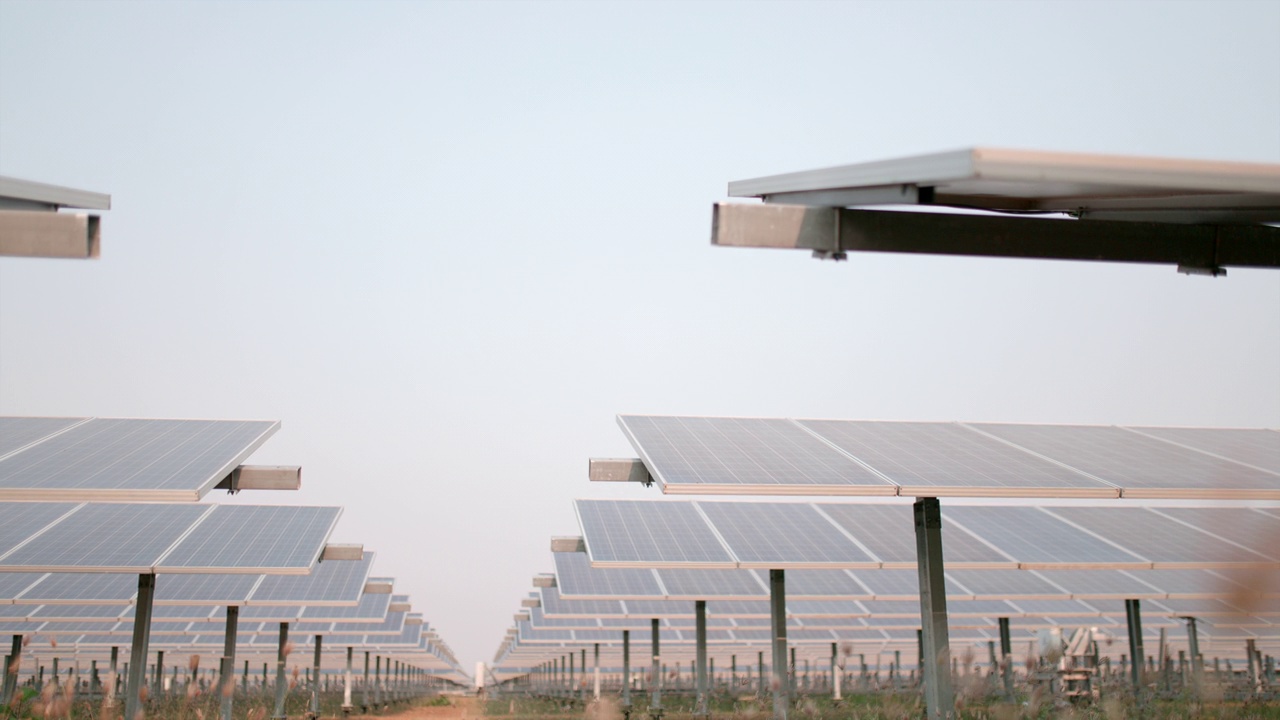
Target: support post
{"points": [[1133, 614], [835, 672], [596, 668], [11, 665], [138, 653], [346, 688], [111, 689], [1193, 644], [227, 685], [315, 680], [778, 623], [626, 673], [760, 673], [364, 687], [1006, 659], [281, 683], [939, 700], [700, 652], [655, 687]]}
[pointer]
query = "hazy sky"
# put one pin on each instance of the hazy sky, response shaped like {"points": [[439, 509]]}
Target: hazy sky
{"points": [[445, 243]]}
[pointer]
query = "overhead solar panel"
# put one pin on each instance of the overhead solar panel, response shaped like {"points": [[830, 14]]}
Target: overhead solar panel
{"points": [[924, 458], [624, 533], [127, 459], [16, 433], [1036, 539], [886, 531], [107, 537], [782, 535], [712, 455], [700, 584], [1254, 533], [1157, 538], [1143, 466], [1254, 447], [777, 456], [13, 585], [267, 536], [335, 582], [825, 584], [204, 589], [575, 578], [555, 606]]}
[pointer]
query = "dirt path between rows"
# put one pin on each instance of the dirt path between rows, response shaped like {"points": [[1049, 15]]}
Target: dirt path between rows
{"points": [[462, 707]]}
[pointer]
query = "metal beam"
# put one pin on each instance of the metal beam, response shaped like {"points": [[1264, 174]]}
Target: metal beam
{"points": [[700, 633], [315, 679], [141, 637], [262, 477], [568, 544], [618, 470], [655, 674], [626, 673], [831, 232], [49, 234], [1137, 656], [936, 670]]}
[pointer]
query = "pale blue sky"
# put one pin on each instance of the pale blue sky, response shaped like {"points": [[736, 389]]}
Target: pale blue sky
{"points": [[445, 243]]}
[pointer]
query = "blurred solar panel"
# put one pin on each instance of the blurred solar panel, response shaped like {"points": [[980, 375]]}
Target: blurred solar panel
{"points": [[335, 582], [1158, 538], [1143, 466], [126, 459], [926, 457], [725, 454]]}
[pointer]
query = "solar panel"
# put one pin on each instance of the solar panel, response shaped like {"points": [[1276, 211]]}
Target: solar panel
{"points": [[1155, 537], [1259, 448], [18, 432], [925, 457], [774, 456], [724, 454], [110, 537], [127, 459], [265, 536], [575, 578], [823, 584], [675, 532], [782, 535], [1033, 537], [1143, 466], [1100, 584], [887, 531], [1254, 532], [336, 582], [700, 584], [204, 589]]}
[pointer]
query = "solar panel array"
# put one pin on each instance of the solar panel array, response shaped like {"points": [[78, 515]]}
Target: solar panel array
{"points": [[830, 535], [145, 538], [773, 456], [86, 459]]}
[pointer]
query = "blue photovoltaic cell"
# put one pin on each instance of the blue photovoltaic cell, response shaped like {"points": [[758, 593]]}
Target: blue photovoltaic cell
{"points": [[941, 455], [135, 454], [1243, 526], [205, 589], [236, 537], [82, 588], [1003, 583], [108, 535], [370, 607], [19, 521], [1029, 535], [821, 583], [1132, 460], [14, 584], [1260, 448], [888, 531], [643, 531], [18, 432], [576, 578], [554, 605], [1153, 536], [733, 451], [332, 581], [703, 584], [775, 535]]}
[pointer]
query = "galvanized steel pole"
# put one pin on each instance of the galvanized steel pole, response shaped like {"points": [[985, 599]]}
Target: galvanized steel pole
{"points": [[939, 699], [778, 623]]}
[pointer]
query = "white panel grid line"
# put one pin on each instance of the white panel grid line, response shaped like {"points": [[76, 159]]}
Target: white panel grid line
{"points": [[662, 588], [897, 486], [1096, 536], [41, 531], [716, 532], [1212, 534], [839, 528], [764, 586], [183, 536], [1200, 450], [50, 436], [1059, 463]]}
